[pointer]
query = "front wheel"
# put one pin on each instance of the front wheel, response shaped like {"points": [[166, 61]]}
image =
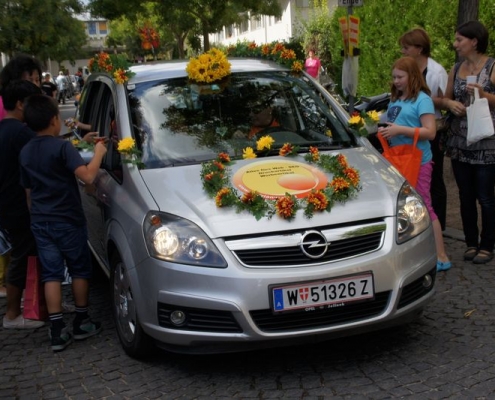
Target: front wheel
{"points": [[134, 340]]}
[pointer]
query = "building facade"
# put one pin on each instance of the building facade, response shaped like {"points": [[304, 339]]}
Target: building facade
{"points": [[266, 29]]}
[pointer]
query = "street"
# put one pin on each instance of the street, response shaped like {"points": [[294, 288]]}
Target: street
{"points": [[448, 353], [67, 110]]}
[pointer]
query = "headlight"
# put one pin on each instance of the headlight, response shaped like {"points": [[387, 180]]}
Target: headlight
{"points": [[178, 240], [412, 214]]}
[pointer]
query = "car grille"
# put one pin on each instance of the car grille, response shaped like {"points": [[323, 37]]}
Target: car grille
{"points": [[415, 290], [288, 256], [198, 319], [267, 321], [287, 250]]}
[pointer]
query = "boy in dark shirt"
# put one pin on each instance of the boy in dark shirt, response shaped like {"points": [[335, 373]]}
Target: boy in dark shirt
{"points": [[14, 213], [49, 168]]}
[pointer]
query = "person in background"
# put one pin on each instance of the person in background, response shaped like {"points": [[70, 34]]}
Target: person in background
{"points": [[411, 107], [14, 213], [312, 65], [416, 44], [474, 165], [62, 87], [48, 87], [50, 169]]}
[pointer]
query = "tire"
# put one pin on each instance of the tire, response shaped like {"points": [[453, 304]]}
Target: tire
{"points": [[134, 340]]}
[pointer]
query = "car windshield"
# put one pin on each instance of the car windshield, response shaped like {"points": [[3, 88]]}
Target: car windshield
{"points": [[177, 122]]}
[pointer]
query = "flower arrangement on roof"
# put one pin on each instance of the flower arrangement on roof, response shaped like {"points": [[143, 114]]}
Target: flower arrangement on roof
{"points": [[275, 51], [343, 186], [364, 122], [208, 67], [113, 64]]}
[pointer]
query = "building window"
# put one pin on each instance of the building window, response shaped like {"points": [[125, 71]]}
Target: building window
{"points": [[91, 28], [103, 27]]}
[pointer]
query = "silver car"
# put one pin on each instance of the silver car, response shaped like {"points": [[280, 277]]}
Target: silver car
{"points": [[190, 276]]}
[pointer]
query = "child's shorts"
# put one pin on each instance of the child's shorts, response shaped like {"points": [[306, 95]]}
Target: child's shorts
{"points": [[59, 241]]}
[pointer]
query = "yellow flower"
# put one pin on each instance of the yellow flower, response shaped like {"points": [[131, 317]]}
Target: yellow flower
{"points": [[328, 133], [248, 152], [356, 120], [373, 115], [265, 142], [208, 67], [126, 145], [120, 76], [75, 142]]}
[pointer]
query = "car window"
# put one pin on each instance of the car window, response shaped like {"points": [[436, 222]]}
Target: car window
{"points": [[177, 122]]}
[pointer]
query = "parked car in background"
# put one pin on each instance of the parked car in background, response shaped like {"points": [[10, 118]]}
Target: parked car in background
{"points": [[188, 275]]}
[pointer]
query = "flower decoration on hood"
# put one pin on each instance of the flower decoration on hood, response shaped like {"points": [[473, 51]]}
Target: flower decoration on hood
{"points": [[343, 186]]}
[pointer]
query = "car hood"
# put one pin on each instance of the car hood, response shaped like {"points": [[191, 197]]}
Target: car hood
{"points": [[179, 191]]}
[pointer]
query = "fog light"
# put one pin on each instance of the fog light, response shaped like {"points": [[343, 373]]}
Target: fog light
{"points": [[177, 317], [427, 281]]}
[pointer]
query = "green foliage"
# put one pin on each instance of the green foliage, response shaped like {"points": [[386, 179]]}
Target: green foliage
{"points": [[54, 33], [382, 24], [316, 32]]}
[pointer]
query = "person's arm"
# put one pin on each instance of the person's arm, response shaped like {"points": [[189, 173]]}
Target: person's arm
{"points": [[87, 173], [28, 198]]}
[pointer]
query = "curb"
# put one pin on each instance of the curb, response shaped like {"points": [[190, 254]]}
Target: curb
{"points": [[453, 233]]}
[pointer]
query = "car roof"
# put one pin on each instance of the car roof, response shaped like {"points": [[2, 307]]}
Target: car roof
{"points": [[176, 69]]}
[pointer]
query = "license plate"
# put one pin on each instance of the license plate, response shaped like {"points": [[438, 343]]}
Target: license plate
{"points": [[327, 293]]}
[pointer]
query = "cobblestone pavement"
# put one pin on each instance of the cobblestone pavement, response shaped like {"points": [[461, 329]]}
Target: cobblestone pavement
{"points": [[448, 353]]}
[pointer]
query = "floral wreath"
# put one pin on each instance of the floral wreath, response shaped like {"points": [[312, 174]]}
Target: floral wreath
{"points": [[359, 121], [275, 51], [114, 64], [343, 187], [208, 67]]}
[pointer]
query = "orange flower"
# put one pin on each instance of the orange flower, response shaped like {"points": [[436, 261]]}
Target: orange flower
{"points": [[265, 49], [342, 160], [248, 198], [315, 154], [286, 149], [252, 45], [219, 165], [224, 157], [352, 175], [209, 177], [297, 66], [220, 195], [279, 47], [285, 207], [339, 184], [288, 54], [318, 200]]}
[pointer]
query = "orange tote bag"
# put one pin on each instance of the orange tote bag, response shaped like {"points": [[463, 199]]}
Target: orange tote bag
{"points": [[405, 157]]}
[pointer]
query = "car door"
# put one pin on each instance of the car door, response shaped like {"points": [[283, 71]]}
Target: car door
{"points": [[98, 109]]}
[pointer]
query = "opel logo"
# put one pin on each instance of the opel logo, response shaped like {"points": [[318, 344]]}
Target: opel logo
{"points": [[314, 244]]}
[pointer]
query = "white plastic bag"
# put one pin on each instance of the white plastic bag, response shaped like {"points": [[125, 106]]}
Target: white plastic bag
{"points": [[480, 124]]}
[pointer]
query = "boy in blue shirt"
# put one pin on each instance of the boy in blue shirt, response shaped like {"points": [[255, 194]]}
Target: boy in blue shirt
{"points": [[49, 168]]}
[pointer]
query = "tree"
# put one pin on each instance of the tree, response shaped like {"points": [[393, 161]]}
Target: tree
{"points": [[467, 11], [211, 15], [57, 35]]}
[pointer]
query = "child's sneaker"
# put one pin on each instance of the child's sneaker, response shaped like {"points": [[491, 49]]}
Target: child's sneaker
{"points": [[86, 329], [61, 341]]}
